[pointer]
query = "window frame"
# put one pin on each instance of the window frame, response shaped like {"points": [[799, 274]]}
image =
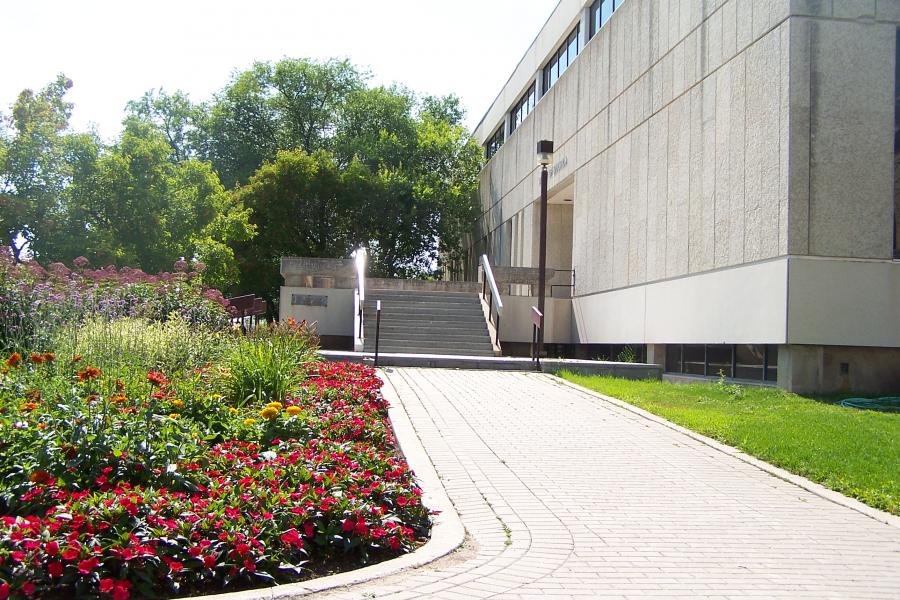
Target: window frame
{"points": [[522, 108], [494, 142], [548, 78]]}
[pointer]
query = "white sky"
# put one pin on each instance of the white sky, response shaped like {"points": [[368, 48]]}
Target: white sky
{"points": [[114, 51]]}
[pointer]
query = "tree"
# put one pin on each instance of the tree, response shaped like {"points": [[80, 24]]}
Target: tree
{"points": [[291, 104], [31, 170], [175, 116], [133, 205]]}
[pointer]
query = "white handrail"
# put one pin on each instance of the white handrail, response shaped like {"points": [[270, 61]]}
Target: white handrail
{"points": [[359, 300], [489, 277]]}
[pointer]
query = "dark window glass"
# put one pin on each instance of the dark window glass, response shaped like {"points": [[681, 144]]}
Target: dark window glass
{"points": [[524, 106], [561, 59], [673, 358], [494, 143], [718, 357], [694, 359], [595, 18], [897, 148], [771, 363], [749, 361]]}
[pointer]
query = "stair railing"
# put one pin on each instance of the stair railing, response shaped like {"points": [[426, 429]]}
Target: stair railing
{"points": [[359, 300], [491, 296]]}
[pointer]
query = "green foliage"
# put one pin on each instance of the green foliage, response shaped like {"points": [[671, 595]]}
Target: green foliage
{"points": [[848, 450], [627, 355], [268, 364], [172, 346], [311, 158]]}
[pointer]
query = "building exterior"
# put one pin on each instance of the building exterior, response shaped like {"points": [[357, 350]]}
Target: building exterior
{"points": [[723, 185]]}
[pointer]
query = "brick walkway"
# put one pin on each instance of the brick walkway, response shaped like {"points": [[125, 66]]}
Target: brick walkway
{"points": [[566, 495]]}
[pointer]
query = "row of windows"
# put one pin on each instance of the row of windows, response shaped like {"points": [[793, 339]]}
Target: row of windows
{"points": [[522, 108], [740, 361], [561, 59], [600, 13], [493, 144]]}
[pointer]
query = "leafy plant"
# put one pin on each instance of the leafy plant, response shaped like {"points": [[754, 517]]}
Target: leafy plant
{"points": [[627, 355], [269, 363]]}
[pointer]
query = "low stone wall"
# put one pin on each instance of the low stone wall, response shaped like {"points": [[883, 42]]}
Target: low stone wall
{"points": [[422, 285]]}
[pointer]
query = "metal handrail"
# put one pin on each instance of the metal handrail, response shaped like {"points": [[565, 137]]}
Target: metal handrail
{"points": [[488, 275], [360, 296]]}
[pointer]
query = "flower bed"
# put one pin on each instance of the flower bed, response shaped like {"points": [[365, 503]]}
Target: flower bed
{"points": [[243, 463]]}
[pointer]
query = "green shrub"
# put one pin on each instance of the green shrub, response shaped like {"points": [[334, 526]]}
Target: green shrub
{"points": [[269, 363]]}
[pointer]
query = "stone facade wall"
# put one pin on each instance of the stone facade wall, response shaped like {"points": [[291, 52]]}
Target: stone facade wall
{"points": [[705, 134]]}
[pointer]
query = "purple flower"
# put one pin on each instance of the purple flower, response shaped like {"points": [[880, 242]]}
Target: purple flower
{"points": [[181, 265], [81, 262]]}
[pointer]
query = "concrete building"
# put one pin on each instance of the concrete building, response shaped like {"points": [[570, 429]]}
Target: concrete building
{"points": [[723, 193]]}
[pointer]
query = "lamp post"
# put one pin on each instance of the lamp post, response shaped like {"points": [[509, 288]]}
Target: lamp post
{"points": [[545, 157]]}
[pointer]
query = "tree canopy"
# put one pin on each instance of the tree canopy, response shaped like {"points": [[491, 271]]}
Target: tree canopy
{"points": [[294, 157]]}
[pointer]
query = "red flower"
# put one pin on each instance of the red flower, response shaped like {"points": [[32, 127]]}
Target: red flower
{"points": [[242, 549], [70, 554], [4, 590], [36, 357], [209, 561], [14, 360], [55, 569], [51, 548], [87, 566], [120, 591], [106, 585], [88, 374], [292, 538], [29, 589], [156, 378]]}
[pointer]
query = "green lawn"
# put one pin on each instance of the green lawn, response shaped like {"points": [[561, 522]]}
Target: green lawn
{"points": [[855, 452]]}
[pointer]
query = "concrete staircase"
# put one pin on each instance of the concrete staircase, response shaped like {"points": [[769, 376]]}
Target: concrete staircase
{"points": [[418, 322]]}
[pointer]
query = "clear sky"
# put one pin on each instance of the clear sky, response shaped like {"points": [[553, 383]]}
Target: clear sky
{"points": [[114, 51]]}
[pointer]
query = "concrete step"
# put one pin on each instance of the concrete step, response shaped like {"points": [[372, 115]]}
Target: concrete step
{"points": [[371, 297], [415, 322], [473, 336], [407, 349], [427, 308]]}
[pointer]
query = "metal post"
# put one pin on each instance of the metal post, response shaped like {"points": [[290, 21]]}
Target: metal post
{"points": [[377, 328], [542, 260]]}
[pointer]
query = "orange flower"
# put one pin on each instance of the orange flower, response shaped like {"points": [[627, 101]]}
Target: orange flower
{"points": [[36, 357], [120, 386], [49, 357], [88, 374], [118, 399], [41, 426], [42, 477], [14, 360], [76, 358], [28, 406]]}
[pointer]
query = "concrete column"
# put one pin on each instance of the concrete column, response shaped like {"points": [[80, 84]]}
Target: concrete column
{"points": [[656, 354]]}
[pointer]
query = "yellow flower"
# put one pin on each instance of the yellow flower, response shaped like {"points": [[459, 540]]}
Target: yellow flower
{"points": [[174, 416], [269, 412], [294, 410], [275, 405], [178, 403], [249, 421], [232, 410]]}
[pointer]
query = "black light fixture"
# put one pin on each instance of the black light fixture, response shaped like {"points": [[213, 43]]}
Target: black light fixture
{"points": [[545, 158]]}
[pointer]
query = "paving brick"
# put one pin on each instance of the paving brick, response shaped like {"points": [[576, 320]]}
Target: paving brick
{"points": [[601, 502]]}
